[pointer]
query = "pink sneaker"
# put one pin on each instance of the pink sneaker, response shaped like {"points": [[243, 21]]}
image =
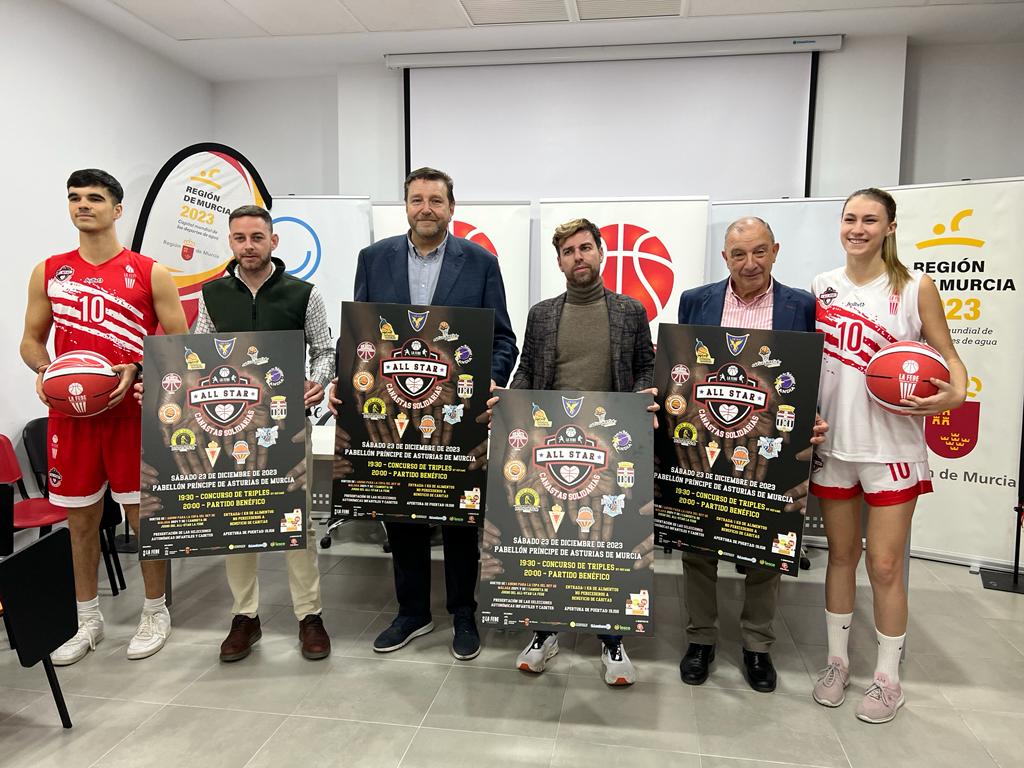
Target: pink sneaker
{"points": [[833, 680], [881, 700]]}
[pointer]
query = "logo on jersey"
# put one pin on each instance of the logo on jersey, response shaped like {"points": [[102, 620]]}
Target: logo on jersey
{"points": [[224, 347], [730, 396], [894, 303], [570, 460], [827, 296], [63, 273], [736, 343], [224, 396], [53, 476], [415, 370], [129, 276]]}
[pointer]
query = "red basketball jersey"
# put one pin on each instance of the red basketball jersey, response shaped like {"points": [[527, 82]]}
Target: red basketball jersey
{"points": [[106, 308]]}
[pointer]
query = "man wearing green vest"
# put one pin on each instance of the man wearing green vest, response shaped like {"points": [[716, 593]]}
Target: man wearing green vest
{"points": [[256, 294]]}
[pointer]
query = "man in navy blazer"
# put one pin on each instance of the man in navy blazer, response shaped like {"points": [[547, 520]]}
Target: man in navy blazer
{"points": [[427, 265], [748, 298]]}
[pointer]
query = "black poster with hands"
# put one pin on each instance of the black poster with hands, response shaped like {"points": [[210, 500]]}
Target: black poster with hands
{"points": [[412, 428], [732, 450], [223, 444], [568, 543]]}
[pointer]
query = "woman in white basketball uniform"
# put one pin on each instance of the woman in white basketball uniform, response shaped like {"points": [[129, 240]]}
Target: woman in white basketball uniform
{"points": [[872, 301]]}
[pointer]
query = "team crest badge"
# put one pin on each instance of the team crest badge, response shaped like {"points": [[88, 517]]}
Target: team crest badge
{"points": [[129, 276], [624, 474], [375, 409], [736, 343], [572, 406], [224, 347], [188, 249], [769, 447], [675, 404], [171, 382], [622, 441], [713, 451], [64, 273], [613, 504], [278, 407], [464, 355], [515, 471], [274, 377], [685, 434], [540, 418], [585, 519], [827, 296], [213, 452], [465, 386], [740, 458], [401, 421], [414, 369], [366, 351], [517, 438], [255, 358], [453, 413], [387, 331], [418, 319], [569, 458], [527, 500], [363, 381], [427, 425], [170, 413], [680, 373], [730, 395], [444, 332], [266, 436], [766, 358], [193, 362], [555, 515], [224, 396], [785, 418], [703, 353], [53, 476], [601, 418], [786, 382], [183, 440], [240, 451], [953, 434]]}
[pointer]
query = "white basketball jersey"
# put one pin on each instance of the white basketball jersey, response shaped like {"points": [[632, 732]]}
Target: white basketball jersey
{"points": [[857, 321]]}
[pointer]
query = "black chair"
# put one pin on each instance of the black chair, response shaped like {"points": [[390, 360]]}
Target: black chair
{"points": [[37, 591], [34, 437]]}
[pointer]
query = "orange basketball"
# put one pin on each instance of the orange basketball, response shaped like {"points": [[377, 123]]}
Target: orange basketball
{"points": [[902, 369]]}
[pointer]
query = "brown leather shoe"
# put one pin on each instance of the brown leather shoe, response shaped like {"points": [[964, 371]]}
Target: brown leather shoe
{"points": [[315, 642], [242, 637]]}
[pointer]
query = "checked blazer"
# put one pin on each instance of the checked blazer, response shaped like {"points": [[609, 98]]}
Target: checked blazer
{"points": [[632, 350]]}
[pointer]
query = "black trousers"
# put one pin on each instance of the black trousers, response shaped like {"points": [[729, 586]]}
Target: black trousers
{"points": [[410, 552]]}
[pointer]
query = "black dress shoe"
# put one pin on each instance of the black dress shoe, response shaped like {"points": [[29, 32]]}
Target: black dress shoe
{"points": [[693, 669], [759, 671]]}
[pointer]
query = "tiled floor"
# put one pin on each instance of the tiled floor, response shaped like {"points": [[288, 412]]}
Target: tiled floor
{"points": [[964, 679]]}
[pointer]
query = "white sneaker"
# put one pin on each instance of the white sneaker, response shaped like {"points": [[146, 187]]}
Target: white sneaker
{"points": [[90, 632], [618, 669], [534, 657], [153, 631]]}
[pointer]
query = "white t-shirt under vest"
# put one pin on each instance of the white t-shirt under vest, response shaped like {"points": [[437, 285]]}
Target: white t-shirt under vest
{"points": [[857, 321]]}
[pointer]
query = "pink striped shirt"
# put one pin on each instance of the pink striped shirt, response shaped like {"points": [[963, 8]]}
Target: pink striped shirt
{"points": [[756, 313]]}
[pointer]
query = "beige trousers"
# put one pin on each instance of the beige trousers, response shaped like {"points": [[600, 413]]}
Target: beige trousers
{"points": [[761, 595], [303, 579]]}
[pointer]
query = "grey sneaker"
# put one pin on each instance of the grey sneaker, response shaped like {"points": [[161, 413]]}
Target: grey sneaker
{"points": [[881, 700], [618, 669], [534, 657], [833, 680]]}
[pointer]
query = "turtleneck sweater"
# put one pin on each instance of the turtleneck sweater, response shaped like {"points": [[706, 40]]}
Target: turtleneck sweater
{"points": [[584, 352]]}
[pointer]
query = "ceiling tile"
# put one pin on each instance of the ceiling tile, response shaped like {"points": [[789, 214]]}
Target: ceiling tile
{"points": [[753, 7], [626, 9], [405, 15], [483, 12], [193, 19], [299, 17]]}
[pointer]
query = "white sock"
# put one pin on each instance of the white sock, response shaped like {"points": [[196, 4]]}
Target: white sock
{"points": [[154, 605], [89, 609], [889, 651], [838, 626]]}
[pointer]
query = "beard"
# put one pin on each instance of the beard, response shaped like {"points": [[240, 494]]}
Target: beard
{"points": [[583, 278]]}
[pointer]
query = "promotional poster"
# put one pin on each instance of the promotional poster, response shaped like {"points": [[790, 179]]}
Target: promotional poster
{"points": [[223, 444], [568, 542], [732, 449], [412, 429]]}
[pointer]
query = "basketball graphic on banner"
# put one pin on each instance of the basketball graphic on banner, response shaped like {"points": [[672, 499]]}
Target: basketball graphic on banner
{"points": [[637, 264], [472, 233]]}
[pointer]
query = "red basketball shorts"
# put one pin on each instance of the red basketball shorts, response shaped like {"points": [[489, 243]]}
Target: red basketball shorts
{"points": [[883, 485], [85, 455]]}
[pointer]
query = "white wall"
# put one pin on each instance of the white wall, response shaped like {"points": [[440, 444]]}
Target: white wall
{"points": [[858, 127], [964, 113], [371, 132], [288, 129], [75, 95]]}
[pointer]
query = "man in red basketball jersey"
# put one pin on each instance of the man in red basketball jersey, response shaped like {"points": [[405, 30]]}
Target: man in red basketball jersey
{"points": [[103, 298], [587, 338]]}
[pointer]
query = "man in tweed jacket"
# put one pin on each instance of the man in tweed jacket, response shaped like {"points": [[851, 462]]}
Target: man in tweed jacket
{"points": [[588, 338]]}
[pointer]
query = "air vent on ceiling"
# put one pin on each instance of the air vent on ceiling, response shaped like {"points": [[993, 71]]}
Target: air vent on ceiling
{"points": [[482, 12], [626, 9]]}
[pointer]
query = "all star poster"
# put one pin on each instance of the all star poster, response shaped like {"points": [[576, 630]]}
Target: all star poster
{"points": [[223, 444], [568, 538], [732, 449], [412, 428]]}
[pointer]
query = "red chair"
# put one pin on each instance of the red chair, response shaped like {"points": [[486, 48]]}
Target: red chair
{"points": [[24, 514]]}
